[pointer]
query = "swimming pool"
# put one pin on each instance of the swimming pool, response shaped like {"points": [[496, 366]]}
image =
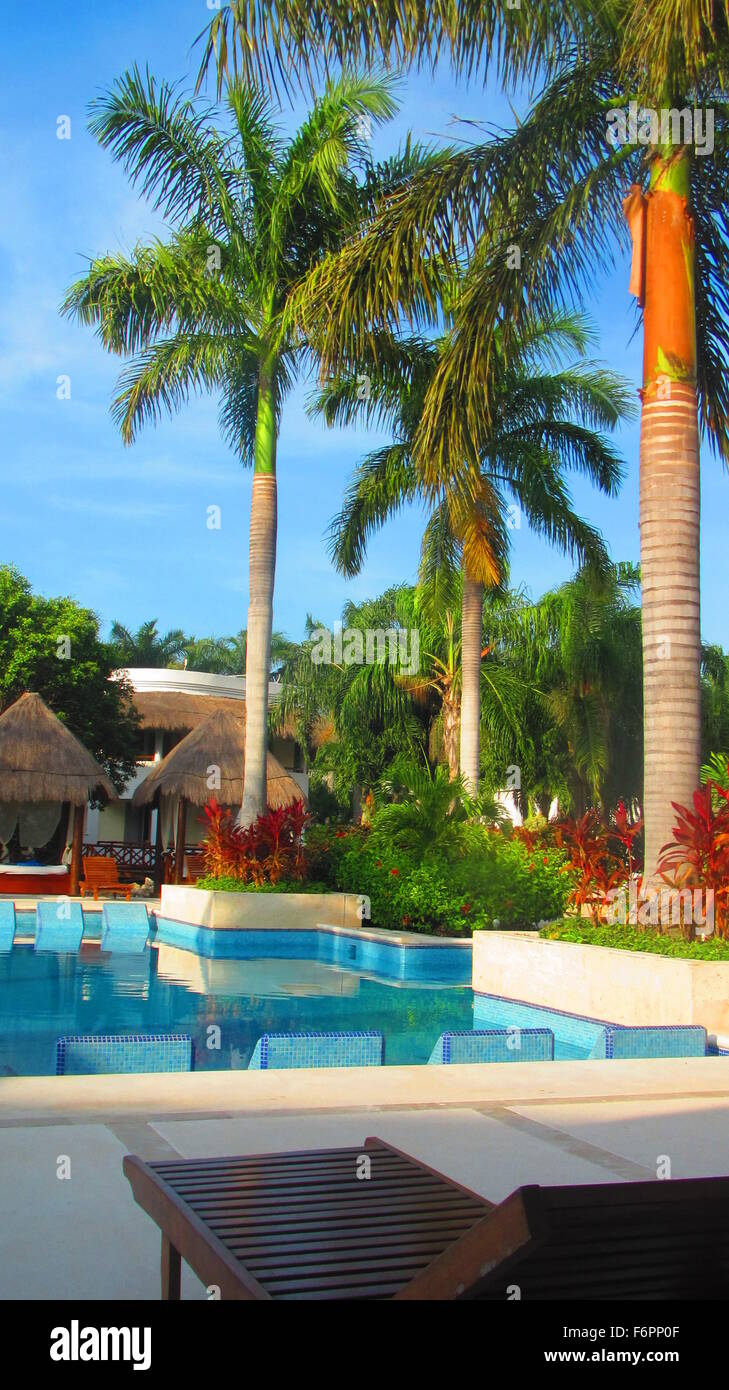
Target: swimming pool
{"points": [[228, 988], [266, 981]]}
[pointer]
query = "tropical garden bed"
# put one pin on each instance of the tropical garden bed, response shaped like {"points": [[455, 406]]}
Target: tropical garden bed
{"points": [[627, 938]]}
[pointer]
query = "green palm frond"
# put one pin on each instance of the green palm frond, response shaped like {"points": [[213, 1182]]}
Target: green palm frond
{"points": [[384, 482], [238, 412], [160, 286], [162, 378], [261, 144], [440, 555], [297, 43], [166, 144]]}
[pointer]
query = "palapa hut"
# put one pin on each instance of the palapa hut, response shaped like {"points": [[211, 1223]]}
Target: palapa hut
{"points": [[42, 767], [209, 762]]}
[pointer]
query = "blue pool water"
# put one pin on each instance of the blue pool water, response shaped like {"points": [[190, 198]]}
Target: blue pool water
{"points": [[286, 981], [170, 990]]}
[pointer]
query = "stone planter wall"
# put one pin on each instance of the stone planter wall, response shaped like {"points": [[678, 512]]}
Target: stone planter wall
{"points": [[619, 986], [233, 911]]}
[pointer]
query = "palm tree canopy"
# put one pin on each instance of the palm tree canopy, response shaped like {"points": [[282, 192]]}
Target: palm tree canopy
{"points": [[147, 646], [251, 213], [674, 42], [552, 190], [579, 648], [546, 418]]}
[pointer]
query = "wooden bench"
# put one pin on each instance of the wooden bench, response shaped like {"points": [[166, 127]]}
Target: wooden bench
{"points": [[102, 874], [316, 1225]]}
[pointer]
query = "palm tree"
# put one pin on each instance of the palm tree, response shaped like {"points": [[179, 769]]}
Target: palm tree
{"points": [[353, 717], [205, 309], [227, 655], [146, 646], [540, 210], [543, 422], [580, 645], [427, 812]]}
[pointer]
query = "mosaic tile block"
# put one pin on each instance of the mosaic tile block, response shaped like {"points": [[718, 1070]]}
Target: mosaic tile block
{"points": [[283, 1050], [88, 1054], [494, 1045], [59, 926], [665, 1040], [126, 927], [7, 925]]}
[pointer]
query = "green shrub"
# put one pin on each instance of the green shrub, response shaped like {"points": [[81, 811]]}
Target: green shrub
{"points": [[228, 884], [498, 883], [627, 938]]}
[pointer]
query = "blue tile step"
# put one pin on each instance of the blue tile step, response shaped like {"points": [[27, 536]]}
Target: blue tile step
{"points": [[276, 1051], [494, 1045], [59, 926], [107, 1054]]}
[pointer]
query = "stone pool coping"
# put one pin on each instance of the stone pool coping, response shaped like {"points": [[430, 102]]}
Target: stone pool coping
{"points": [[82, 1099]]}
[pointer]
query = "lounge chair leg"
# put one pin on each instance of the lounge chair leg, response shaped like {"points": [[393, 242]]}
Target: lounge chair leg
{"points": [[170, 1266]]}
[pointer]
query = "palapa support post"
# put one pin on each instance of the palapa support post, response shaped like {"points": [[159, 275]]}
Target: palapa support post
{"points": [[180, 840], [158, 861], [77, 845]]}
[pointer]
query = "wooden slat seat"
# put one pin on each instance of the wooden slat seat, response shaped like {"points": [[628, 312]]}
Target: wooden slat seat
{"points": [[306, 1226], [102, 875]]}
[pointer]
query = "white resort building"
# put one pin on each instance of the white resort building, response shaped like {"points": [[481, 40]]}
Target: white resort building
{"points": [[171, 703]]}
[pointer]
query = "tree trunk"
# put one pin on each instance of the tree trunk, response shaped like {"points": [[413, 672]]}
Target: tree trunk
{"points": [[262, 570], [669, 505], [471, 642], [450, 716]]}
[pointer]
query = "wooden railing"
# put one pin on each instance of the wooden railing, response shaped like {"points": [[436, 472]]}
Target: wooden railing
{"points": [[139, 857]]}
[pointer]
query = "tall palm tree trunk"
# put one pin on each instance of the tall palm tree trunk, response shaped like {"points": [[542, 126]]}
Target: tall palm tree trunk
{"points": [[262, 571], [669, 504], [471, 640]]}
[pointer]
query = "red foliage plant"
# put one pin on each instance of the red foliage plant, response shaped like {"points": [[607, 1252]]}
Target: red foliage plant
{"points": [[269, 850], [601, 856], [698, 854]]}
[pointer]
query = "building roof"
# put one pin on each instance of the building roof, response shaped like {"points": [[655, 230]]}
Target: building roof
{"points": [[174, 700], [172, 710], [217, 742], [41, 760]]}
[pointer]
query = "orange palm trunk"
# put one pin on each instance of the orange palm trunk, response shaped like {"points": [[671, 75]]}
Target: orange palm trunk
{"points": [[663, 278]]}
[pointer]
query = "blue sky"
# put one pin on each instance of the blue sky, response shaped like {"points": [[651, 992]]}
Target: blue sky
{"points": [[124, 530]]}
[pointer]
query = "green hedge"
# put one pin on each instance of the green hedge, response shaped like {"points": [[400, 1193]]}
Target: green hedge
{"points": [[625, 938], [501, 884], [234, 885]]}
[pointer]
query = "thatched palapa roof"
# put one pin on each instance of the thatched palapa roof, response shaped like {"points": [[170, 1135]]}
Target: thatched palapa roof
{"points": [[41, 760], [172, 710], [218, 742]]}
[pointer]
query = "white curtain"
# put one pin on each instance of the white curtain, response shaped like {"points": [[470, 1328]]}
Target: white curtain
{"points": [[38, 821], [8, 819], [168, 812]]}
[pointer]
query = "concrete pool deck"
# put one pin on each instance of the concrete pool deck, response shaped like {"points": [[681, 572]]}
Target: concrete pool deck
{"points": [[492, 1127]]}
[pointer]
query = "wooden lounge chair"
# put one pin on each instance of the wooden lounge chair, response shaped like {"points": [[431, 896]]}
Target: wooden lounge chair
{"points": [[194, 867], [102, 875], [313, 1225]]}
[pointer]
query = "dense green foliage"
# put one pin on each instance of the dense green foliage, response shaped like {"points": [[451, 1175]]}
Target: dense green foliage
{"points": [[626, 938], [219, 655], [52, 646], [499, 882]]}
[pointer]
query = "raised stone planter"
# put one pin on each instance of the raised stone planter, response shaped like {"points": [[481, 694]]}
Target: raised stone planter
{"points": [[619, 986], [233, 911]]}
